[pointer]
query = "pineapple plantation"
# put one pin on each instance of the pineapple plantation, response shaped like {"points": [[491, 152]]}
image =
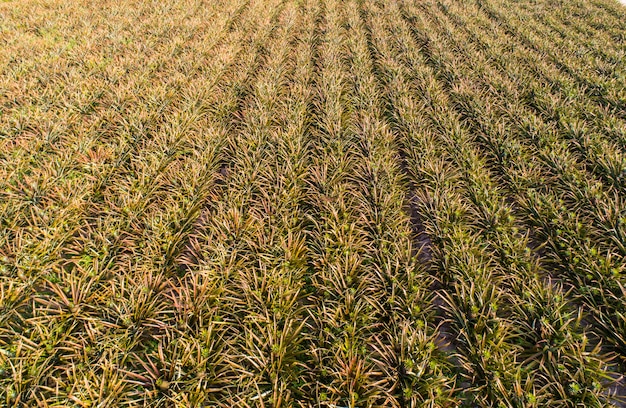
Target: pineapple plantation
{"points": [[312, 203]]}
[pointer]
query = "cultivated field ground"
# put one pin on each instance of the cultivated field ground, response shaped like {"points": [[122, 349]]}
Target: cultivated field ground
{"points": [[312, 203]]}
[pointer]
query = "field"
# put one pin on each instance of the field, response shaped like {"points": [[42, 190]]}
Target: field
{"points": [[312, 203]]}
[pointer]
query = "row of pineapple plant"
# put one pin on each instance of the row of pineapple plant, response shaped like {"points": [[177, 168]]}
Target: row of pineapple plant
{"points": [[71, 280], [593, 133], [597, 261], [153, 308], [545, 141], [498, 233], [311, 203], [376, 334], [594, 87]]}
